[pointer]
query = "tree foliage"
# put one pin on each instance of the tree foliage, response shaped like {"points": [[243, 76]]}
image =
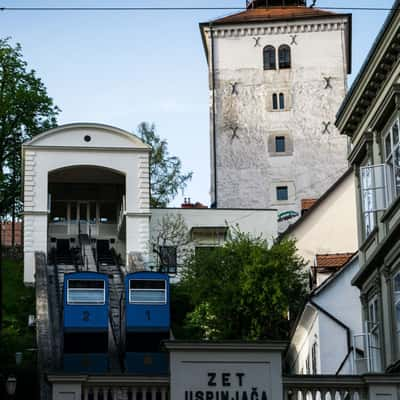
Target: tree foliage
{"points": [[166, 176], [25, 110], [245, 289]]}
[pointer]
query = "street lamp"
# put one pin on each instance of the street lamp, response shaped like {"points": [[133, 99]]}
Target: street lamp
{"points": [[11, 385]]}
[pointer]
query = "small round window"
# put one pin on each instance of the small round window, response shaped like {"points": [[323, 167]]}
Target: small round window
{"points": [[87, 138]]}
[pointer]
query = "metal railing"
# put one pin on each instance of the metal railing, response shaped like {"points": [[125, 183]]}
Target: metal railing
{"points": [[324, 387], [121, 215], [125, 391]]}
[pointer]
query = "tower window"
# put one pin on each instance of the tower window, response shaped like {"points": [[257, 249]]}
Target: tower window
{"points": [[284, 56], [269, 57], [282, 193], [280, 146], [278, 105], [274, 101], [281, 101]]}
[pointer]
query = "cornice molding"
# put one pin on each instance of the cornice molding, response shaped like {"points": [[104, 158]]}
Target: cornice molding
{"points": [[110, 380], [277, 28], [27, 147], [27, 212], [177, 345]]}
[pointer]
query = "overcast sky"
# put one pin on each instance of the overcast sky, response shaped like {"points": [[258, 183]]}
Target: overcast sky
{"points": [[121, 68]]}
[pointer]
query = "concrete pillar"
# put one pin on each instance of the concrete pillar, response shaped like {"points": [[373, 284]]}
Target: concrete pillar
{"points": [[68, 391]]}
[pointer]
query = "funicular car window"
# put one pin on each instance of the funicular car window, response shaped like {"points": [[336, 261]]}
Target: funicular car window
{"points": [[86, 291], [147, 291]]}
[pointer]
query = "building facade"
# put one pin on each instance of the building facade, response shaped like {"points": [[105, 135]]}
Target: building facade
{"points": [[84, 183], [277, 76], [370, 116], [326, 233]]}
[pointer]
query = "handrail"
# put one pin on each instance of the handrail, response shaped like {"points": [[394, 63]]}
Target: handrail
{"points": [[57, 282], [120, 347], [82, 248], [133, 388], [121, 214]]}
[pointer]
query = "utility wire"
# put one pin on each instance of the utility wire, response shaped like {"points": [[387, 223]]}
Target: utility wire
{"points": [[172, 8]]}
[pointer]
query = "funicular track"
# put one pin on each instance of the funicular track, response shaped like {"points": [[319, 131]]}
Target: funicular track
{"points": [[55, 281]]}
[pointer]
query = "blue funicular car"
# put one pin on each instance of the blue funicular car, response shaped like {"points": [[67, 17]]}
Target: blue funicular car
{"points": [[147, 322], [85, 322]]}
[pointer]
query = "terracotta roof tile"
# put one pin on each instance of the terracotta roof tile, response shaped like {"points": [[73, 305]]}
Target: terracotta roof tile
{"points": [[306, 204], [333, 260], [273, 13]]}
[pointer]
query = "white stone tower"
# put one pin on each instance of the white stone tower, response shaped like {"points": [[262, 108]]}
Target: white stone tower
{"points": [[277, 75]]}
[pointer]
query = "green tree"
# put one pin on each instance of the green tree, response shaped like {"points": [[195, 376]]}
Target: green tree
{"points": [[245, 289], [166, 176], [25, 110]]}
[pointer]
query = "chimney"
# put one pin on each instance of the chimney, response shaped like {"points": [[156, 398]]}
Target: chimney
{"points": [[188, 204]]}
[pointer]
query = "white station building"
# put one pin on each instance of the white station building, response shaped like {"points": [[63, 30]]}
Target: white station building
{"points": [[86, 193]]}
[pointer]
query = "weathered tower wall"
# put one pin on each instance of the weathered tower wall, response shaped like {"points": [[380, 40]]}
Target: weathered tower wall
{"points": [[247, 166]]}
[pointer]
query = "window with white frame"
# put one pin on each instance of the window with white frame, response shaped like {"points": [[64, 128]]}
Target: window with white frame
{"points": [[314, 352], [373, 193], [308, 370], [392, 158], [282, 193], [373, 329], [396, 299]]}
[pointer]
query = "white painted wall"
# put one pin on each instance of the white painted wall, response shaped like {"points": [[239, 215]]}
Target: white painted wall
{"points": [[341, 300], [255, 222], [247, 173], [331, 227], [65, 147]]}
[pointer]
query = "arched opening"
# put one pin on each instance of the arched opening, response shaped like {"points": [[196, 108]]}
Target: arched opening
{"points": [[86, 210], [284, 57], [269, 57]]}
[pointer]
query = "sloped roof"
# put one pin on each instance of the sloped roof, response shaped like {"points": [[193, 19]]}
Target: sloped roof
{"points": [[311, 211], [333, 260], [334, 275], [273, 14], [306, 204]]}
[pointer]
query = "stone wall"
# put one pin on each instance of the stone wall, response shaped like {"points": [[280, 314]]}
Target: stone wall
{"points": [[248, 169]]}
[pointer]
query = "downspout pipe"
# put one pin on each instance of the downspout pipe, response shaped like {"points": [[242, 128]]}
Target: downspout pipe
{"points": [[340, 323], [214, 139]]}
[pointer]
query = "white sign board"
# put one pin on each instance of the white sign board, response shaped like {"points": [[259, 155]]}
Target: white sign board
{"points": [[226, 381], [208, 373]]}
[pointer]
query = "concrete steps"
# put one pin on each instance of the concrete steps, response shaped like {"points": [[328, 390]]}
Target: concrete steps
{"points": [[116, 284]]}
